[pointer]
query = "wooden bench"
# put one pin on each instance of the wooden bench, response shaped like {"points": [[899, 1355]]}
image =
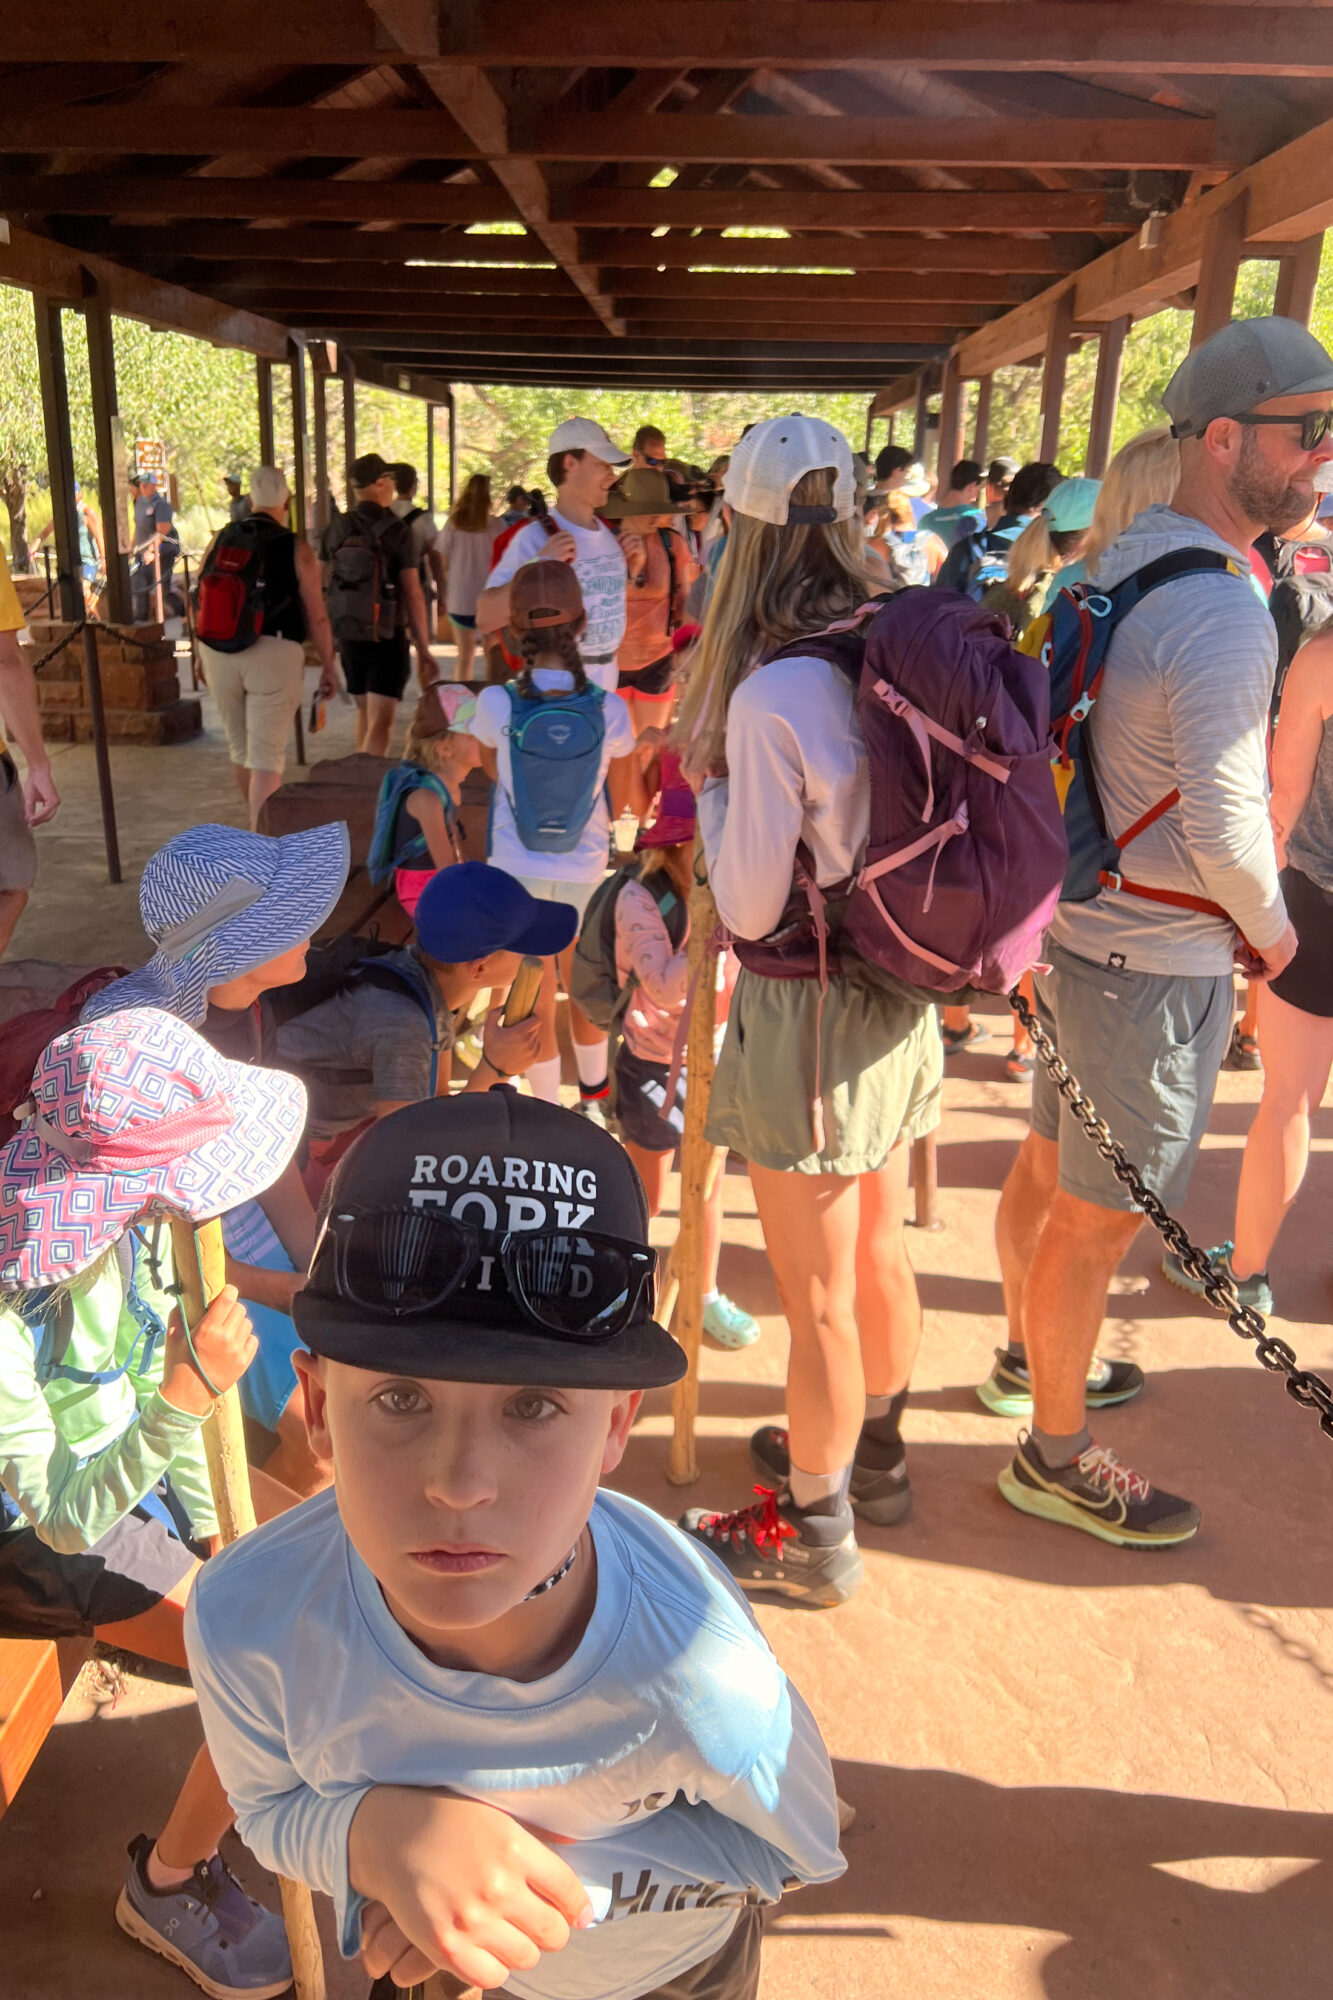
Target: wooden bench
{"points": [[35, 1676]]}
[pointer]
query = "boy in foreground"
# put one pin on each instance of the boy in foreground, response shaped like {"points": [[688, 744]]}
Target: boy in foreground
{"points": [[520, 1730]]}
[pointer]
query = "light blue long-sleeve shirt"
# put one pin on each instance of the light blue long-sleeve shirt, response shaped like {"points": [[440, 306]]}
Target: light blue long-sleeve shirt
{"points": [[670, 1747]]}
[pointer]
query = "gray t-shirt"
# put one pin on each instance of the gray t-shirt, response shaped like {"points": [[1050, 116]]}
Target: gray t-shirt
{"points": [[375, 1044]]}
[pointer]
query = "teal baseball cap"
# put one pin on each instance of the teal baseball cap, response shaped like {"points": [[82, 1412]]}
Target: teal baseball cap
{"points": [[1069, 508]]}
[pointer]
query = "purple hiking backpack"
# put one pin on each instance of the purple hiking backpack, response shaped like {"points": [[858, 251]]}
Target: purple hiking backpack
{"points": [[966, 851]]}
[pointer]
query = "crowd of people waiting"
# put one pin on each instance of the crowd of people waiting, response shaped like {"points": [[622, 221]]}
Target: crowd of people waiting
{"points": [[439, 1306]]}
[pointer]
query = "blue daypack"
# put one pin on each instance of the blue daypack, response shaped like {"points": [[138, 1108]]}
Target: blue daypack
{"points": [[555, 759], [1071, 640], [397, 841], [984, 560]]}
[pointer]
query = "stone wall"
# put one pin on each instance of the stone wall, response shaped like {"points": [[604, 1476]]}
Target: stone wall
{"points": [[140, 686]]}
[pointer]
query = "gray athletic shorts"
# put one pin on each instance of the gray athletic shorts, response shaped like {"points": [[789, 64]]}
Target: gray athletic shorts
{"points": [[1146, 1047]]}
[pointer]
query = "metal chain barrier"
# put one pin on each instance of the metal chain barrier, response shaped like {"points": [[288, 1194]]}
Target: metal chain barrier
{"points": [[98, 625], [1303, 1385]]}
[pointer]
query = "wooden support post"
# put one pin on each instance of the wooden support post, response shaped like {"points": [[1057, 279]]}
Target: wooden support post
{"points": [[1297, 276], [1105, 396], [919, 432], [950, 447], [695, 1158], [453, 448], [430, 461], [870, 425], [1059, 327], [299, 450], [110, 446], [1220, 259], [893, 425], [349, 431], [981, 423], [201, 1271], [264, 389], [59, 455], [92, 691], [318, 391]]}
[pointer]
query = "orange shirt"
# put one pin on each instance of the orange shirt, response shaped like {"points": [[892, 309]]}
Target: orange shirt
{"points": [[647, 603]]}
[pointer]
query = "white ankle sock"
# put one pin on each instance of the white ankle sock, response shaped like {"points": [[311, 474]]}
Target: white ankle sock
{"points": [[544, 1079], [591, 1060]]}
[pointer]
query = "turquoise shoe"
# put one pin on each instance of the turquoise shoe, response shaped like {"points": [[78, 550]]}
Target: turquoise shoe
{"points": [[726, 1326]]}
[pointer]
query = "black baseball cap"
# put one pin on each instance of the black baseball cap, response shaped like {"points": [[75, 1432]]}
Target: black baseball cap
{"points": [[488, 1238], [369, 469]]}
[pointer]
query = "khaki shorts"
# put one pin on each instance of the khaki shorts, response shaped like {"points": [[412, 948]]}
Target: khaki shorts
{"points": [[18, 849], [258, 693], [880, 1070]]}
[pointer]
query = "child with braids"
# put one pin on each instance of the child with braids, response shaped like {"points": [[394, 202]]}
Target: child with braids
{"points": [[562, 753]]}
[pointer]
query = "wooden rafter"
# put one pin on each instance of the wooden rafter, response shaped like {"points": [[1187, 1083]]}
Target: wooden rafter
{"points": [[620, 208]]}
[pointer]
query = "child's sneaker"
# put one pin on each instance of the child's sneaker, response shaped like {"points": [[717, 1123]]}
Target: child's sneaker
{"points": [[1007, 1390], [727, 1326], [775, 1546], [880, 1494], [1255, 1291], [226, 1942]]}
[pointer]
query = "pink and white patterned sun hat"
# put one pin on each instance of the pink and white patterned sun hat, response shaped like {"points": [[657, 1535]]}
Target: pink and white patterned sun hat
{"points": [[130, 1112]]}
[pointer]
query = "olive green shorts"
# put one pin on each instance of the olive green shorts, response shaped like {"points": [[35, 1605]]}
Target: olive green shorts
{"points": [[880, 1072]]}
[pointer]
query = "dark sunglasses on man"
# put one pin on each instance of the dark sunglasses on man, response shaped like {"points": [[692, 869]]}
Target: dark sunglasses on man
{"points": [[1315, 425]]}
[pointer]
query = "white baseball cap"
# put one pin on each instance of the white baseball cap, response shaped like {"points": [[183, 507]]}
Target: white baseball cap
{"points": [[582, 434], [268, 486], [774, 457]]}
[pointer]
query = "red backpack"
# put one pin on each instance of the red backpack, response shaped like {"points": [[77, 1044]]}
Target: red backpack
{"points": [[231, 599], [966, 850], [23, 1039]]}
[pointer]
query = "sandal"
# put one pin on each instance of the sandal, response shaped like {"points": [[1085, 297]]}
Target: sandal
{"points": [[1018, 1065], [1243, 1052], [956, 1039]]}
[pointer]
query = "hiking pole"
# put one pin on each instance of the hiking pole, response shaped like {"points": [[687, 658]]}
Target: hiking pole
{"points": [[201, 1272], [696, 1158], [670, 1293]]}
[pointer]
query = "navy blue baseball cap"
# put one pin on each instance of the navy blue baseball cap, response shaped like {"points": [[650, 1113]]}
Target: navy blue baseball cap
{"points": [[471, 910]]}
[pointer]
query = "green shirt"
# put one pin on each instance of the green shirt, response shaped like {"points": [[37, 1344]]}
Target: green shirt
{"points": [[76, 1457]]}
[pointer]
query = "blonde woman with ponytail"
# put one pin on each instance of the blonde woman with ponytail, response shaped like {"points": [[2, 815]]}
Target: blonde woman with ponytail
{"points": [[822, 1093]]}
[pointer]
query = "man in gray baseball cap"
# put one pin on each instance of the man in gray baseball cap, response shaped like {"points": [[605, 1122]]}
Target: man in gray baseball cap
{"points": [[1138, 996]]}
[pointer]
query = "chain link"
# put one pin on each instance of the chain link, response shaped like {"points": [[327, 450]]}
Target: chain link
{"points": [[129, 632], [1302, 1383]]}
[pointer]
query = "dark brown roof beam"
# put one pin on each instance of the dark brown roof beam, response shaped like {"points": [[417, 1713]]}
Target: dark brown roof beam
{"points": [[963, 252], [612, 208], [289, 200]]}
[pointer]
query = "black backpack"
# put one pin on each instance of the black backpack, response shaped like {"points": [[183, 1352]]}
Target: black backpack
{"points": [[594, 980], [362, 596], [331, 969], [232, 596], [1300, 595]]}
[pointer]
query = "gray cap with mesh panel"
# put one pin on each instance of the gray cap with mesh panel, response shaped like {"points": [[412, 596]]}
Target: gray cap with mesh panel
{"points": [[1243, 365]]}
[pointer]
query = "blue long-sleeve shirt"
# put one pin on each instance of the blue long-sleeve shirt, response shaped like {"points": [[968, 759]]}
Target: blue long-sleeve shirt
{"points": [[670, 1747]]}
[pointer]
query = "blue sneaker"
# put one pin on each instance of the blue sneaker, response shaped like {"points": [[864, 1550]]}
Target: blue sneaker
{"points": [[1255, 1291], [726, 1325], [226, 1942]]}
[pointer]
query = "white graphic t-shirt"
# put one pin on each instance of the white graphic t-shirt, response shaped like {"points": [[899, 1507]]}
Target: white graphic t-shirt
{"points": [[600, 568]]}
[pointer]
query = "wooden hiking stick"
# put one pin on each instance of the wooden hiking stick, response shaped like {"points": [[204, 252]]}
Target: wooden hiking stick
{"points": [[698, 1174], [201, 1272]]}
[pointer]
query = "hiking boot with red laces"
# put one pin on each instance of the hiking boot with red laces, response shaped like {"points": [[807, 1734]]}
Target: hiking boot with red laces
{"points": [[1099, 1495], [775, 1546], [881, 1492]]}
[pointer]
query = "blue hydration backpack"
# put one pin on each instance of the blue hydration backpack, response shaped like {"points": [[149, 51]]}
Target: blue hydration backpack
{"points": [[555, 756], [397, 840], [979, 559], [1071, 639]]}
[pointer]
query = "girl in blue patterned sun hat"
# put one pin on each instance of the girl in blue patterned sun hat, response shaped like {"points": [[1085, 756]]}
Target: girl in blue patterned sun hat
{"points": [[231, 914], [106, 1507]]}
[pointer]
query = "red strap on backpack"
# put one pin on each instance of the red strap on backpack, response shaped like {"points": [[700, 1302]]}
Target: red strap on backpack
{"points": [[1177, 899]]}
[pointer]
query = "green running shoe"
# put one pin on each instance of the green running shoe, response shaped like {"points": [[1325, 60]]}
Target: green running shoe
{"points": [[1255, 1291], [1099, 1495], [1007, 1390]]}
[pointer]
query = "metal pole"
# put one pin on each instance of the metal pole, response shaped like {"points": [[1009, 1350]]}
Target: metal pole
{"points": [[92, 688], [430, 460], [349, 430], [300, 735], [59, 454], [453, 449], [318, 386], [106, 414], [297, 366], [264, 387], [189, 623]]}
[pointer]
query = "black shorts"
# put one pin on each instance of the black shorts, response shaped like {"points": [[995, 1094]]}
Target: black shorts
{"points": [[1307, 982], [641, 1102], [376, 666], [45, 1595], [650, 682]]}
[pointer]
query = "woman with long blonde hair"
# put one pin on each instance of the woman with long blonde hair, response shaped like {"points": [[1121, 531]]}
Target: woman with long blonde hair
{"points": [[821, 1092], [1144, 473], [461, 560]]}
